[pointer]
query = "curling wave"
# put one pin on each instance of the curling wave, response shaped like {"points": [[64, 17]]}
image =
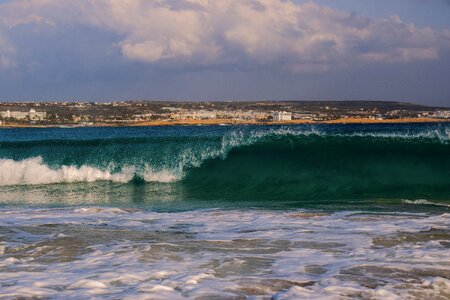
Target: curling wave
{"points": [[298, 164]]}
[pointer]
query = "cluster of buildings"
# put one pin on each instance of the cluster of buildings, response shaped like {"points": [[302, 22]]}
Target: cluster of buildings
{"points": [[132, 112], [31, 115], [204, 114], [441, 114], [241, 115]]}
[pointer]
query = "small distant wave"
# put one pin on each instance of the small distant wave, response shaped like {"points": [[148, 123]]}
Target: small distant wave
{"points": [[441, 135], [33, 171], [425, 202]]}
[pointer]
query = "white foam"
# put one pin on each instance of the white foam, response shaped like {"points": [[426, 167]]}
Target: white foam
{"points": [[225, 253], [87, 284], [425, 202], [150, 175], [33, 171]]}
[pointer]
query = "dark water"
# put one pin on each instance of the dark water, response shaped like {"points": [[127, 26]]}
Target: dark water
{"points": [[172, 168]]}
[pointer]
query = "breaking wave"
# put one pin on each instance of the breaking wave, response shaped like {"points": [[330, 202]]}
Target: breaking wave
{"points": [[285, 163]]}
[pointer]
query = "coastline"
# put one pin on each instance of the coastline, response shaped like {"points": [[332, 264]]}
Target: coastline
{"points": [[190, 122]]}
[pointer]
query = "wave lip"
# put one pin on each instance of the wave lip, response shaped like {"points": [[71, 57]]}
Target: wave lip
{"points": [[33, 171], [425, 202]]}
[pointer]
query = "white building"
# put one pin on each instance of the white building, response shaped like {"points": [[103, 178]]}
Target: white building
{"points": [[282, 116], [444, 114], [23, 115], [19, 115], [37, 115], [146, 116]]}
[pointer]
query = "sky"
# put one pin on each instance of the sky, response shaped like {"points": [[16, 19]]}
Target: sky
{"points": [[102, 50]]}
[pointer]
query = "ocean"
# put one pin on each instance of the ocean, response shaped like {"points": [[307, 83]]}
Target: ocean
{"points": [[226, 212]]}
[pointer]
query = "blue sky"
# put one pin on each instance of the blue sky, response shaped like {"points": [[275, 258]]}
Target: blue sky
{"points": [[221, 50], [434, 13]]}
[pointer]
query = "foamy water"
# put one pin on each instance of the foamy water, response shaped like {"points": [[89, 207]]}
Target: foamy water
{"points": [[75, 253], [34, 171]]}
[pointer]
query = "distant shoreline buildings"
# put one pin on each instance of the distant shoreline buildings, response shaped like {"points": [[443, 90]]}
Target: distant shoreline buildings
{"points": [[282, 116], [135, 112], [31, 115]]}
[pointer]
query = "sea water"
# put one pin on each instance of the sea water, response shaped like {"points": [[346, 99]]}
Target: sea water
{"points": [[226, 212]]}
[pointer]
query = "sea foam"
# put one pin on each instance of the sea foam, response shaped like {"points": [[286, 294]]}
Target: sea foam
{"points": [[219, 254], [33, 171], [425, 202]]}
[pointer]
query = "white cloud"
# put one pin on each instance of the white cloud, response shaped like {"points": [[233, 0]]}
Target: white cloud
{"points": [[298, 37]]}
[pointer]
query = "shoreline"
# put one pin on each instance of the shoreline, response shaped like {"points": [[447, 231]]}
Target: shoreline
{"points": [[229, 122]]}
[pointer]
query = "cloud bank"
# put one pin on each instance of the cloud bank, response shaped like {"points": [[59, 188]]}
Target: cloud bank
{"points": [[299, 38]]}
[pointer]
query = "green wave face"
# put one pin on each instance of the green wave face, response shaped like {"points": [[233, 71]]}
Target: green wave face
{"points": [[177, 167], [326, 168]]}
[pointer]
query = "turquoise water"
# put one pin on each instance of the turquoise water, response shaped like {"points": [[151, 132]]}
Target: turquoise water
{"points": [[172, 168]]}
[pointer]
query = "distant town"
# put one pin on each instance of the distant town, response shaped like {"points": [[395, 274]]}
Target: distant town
{"points": [[148, 113]]}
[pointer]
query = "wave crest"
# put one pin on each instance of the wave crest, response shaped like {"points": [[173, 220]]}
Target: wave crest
{"points": [[425, 202]]}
